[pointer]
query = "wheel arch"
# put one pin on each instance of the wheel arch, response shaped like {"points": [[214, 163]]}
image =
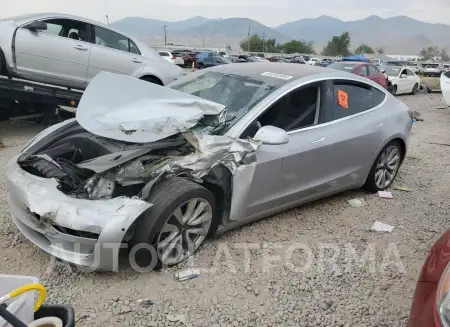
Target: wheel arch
{"points": [[150, 76]]}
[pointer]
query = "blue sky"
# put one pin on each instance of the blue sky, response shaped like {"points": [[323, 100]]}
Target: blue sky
{"points": [[268, 12]]}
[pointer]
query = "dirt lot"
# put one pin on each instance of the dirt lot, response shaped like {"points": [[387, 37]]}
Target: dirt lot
{"points": [[240, 288]]}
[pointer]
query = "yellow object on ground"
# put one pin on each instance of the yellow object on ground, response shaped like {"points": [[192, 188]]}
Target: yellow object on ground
{"points": [[29, 287]]}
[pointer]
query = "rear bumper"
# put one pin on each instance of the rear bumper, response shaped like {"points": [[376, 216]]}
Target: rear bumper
{"points": [[83, 232]]}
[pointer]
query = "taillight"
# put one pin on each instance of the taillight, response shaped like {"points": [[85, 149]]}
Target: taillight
{"points": [[174, 57]]}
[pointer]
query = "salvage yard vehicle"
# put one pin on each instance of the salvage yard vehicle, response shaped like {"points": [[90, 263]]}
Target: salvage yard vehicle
{"points": [[445, 87], [69, 51], [218, 148], [433, 69], [430, 306], [367, 70], [166, 55], [402, 80]]}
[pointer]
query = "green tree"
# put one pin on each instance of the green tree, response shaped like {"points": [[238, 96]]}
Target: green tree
{"points": [[258, 44], [380, 51], [364, 48], [338, 46], [444, 55], [429, 53], [296, 46]]}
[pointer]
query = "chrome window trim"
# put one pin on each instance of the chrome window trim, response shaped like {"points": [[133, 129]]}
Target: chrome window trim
{"points": [[321, 79]]}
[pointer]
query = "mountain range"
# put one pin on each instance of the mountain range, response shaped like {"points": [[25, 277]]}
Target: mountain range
{"points": [[397, 35]]}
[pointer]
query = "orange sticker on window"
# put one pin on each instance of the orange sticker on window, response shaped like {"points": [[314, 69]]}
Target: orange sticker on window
{"points": [[343, 99]]}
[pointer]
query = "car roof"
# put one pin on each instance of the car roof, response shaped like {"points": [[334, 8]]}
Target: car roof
{"points": [[354, 63], [255, 70], [19, 20]]}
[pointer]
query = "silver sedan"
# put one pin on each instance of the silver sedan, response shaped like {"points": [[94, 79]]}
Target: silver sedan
{"points": [[69, 51], [158, 169]]}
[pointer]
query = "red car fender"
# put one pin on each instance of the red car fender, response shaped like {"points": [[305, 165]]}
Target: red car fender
{"points": [[423, 309]]}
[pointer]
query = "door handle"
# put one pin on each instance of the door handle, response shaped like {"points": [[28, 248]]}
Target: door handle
{"points": [[80, 47], [379, 125], [136, 61], [319, 140]]}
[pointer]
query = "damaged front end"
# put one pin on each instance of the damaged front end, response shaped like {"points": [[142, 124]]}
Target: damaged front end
{"points": [[75, 190]]}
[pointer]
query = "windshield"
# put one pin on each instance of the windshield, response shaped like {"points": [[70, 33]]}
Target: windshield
{"points": [[342, 66], [224, 60], [237, 93], [432, 66], [392, 71]]}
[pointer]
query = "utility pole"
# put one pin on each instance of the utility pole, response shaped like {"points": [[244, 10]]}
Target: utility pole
{"points": [[248, 43], [107, 19], [264, 42], [165, 35]]}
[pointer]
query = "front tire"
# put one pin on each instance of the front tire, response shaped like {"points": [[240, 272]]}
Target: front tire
{"points": [[394, 90], [181, 217], [385, 168]]}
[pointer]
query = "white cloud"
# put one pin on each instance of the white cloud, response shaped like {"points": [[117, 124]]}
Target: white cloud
{"points": [[265, 11]]}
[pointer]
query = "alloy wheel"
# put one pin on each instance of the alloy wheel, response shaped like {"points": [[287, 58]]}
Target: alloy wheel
{"points": [[184, 231], [387, 167]]}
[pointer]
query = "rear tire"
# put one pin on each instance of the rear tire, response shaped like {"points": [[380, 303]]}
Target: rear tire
{"points": [[152, 79], [160, 228], [415, 89], [2, 64], [384, 169]]}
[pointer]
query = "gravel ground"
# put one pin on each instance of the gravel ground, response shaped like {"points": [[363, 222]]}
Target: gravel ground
{"points": [[248, 288]]}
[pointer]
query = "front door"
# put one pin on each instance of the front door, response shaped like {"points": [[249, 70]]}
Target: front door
{"points": [[281, 168], [58, 55]]}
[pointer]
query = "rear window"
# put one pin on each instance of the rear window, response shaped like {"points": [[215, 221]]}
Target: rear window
{"points": [[342, 66], [432, 66], [164, 54]]}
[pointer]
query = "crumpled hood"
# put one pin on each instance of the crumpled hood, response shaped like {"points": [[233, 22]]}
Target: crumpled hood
{"points": [[128, 109]]}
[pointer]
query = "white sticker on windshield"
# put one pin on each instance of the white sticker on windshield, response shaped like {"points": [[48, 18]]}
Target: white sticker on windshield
{"points": [[279, 76]]}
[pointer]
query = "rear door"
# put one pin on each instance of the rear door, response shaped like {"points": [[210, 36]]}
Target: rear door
{"points": [[113, 52], [51, 56], [354, 134]]}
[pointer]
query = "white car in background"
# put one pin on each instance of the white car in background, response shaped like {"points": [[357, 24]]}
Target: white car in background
{"points": [[171, 58], [313, 61], [402, 80], [445, 87]]}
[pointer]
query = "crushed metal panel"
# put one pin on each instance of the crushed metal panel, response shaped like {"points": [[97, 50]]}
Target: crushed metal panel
{"points": [[212, 150], [127, 109], [242, 183], [41, 197]]}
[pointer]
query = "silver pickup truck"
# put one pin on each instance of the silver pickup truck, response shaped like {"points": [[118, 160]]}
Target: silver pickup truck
{"points": [[69, 51]]}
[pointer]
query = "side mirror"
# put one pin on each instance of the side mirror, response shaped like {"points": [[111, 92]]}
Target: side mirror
{"points": [[271, 135], [37, 25], [403, 76]]}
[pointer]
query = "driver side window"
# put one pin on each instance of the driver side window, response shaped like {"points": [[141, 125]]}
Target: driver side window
{"points": [[294, 111]]}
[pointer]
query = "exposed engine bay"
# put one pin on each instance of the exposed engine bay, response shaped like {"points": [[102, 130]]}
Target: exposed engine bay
{"points": [[88, 166]]}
